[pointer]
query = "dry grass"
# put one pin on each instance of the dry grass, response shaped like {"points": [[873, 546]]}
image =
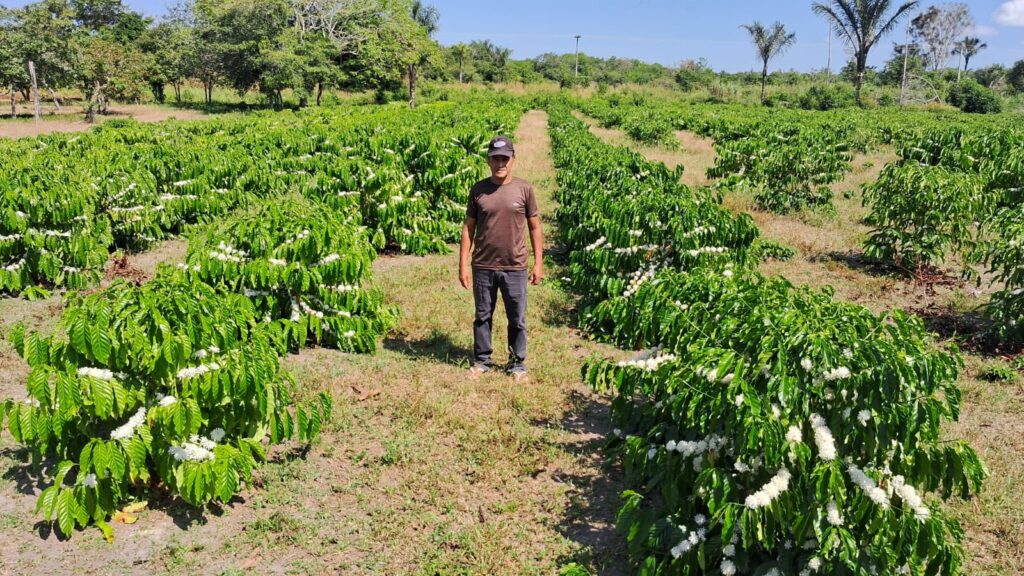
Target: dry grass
{"points": [[437, 474]]}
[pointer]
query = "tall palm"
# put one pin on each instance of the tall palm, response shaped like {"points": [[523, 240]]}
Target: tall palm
{"points": [[460, 51], [427, 17], [969, 48], [770, 42], [862, 23]]}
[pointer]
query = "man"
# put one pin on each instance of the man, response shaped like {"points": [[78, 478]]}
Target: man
{"points": [[500, 210]]}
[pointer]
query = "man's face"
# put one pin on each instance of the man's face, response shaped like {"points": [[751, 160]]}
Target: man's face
{"points": [[501, 166]]}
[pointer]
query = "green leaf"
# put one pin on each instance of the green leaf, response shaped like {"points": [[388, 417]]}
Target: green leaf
{"points": [[102, 397], [47, 501], [67, 509]]}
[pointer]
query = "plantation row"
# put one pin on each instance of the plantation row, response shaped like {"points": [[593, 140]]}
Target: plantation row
{"points": [[177, 383], [767, 429], [68, 201], [787, 157]]}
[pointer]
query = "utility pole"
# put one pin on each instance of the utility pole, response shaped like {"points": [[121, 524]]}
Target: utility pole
{"points": [[577, 73], [828, 65], [906, 57]]}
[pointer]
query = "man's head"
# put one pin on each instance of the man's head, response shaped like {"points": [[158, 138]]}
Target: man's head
{"points": [[501, 157]]}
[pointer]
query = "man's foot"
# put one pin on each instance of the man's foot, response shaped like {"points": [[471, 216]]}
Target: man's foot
{"points": [[476, 371]]}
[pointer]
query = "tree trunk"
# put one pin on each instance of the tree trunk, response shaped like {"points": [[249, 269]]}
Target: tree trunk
{"points": [[764, 79], [177, 91], [412, 85], [319, 92], [14, 107], [35, 86], [460, 71], [862, 62], [53, 95], [90, 111]]}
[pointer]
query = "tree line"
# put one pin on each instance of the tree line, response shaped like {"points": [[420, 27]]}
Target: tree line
{"points": [[308, 47]]}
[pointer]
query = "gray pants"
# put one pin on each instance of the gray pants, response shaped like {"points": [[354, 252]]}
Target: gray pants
{"points": [[512, 284]]}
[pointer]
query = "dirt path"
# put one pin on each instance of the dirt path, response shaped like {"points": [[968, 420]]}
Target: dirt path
{"points": [[431, 473], [68, 122]]}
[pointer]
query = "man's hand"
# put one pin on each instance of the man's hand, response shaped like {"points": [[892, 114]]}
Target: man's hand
{"points": [[536, 274], [465, 277]]}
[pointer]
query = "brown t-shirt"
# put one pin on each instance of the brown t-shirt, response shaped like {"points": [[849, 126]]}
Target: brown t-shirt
{"points": [[500, 212]]}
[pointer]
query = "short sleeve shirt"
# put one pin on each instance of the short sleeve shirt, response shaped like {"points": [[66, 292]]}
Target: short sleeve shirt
{"points": [[501, 212]]}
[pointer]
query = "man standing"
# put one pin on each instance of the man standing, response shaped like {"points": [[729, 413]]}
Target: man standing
{"points": [[500, 210]]}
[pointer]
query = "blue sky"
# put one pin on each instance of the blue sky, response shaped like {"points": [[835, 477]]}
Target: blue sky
{"points": [[668, 31]]}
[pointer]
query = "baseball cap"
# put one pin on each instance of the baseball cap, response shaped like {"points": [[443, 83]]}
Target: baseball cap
{"points": [[501, 146]]}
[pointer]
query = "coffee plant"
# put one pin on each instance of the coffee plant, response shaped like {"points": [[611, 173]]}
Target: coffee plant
{"points": [[174, 383]]}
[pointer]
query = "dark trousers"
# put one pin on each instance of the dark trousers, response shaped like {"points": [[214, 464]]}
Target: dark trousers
{"points": [[512, 285]]}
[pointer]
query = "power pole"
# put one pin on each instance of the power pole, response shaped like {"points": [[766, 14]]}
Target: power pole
{"points": [[906, 57], [828, 65], [577, 73]]}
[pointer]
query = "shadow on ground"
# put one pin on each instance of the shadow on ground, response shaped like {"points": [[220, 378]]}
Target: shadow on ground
{"points": [[435, 347], [589, 520], [861, 263]]}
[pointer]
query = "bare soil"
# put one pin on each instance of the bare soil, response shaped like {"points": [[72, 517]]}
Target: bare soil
{"points": [[72, 119]]}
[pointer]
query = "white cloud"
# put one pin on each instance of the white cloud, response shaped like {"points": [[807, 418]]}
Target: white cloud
{"points": [[1011, 13], [983, 30]]}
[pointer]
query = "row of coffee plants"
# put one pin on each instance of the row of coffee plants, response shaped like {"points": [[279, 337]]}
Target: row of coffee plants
{"points": [[956, 192], [767, 429], [176, 382], [303, 265], [69, 200]]}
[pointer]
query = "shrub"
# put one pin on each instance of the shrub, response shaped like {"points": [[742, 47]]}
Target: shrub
{"points": [[174, 384], [827, 97], [970, 96]]}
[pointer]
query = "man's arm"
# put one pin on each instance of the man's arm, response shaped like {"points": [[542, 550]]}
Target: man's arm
{"points": [[537, 243], [465, 252]]}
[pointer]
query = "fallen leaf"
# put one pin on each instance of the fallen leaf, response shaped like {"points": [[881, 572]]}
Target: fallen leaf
{"points": [[135, 507], [365, 394], [124, 518]]}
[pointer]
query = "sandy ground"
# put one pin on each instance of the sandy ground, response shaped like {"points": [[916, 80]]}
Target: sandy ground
{"points": [[74, 122]]}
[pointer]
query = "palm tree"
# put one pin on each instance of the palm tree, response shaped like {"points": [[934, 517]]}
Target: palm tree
{"points": [[770, 42], [968, 48], [427, 17], [460, 51], [861, 23]]}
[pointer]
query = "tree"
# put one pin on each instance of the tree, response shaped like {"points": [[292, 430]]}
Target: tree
{"points": [[968, 48], [861, 24], [1015, 76], [108, 70], [12, 73], [769, 42], [166, 48], [937, 29], [427, 17], [989, 76], [693, 73], [891, 73], [460, 52]]}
